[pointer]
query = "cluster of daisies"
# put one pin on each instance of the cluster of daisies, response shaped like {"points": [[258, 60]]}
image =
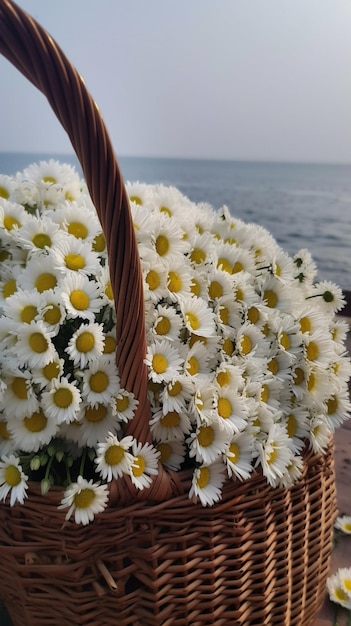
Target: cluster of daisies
{"points": [[246, 359]]}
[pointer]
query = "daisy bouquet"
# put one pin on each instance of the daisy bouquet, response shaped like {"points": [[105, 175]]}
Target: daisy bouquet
{"points": [[246, 360]]}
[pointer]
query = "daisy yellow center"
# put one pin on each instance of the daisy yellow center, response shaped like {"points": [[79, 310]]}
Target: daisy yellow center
{"points": [[224, 408], [291, 425], [171, 419], [284, 340], [228, 346], [224, 314], [174, 281], [233, 453], [340, 594], [272, 454], [153, 279], [273, 366], [245, 344], [78, 230], [271, 298], [163, 326], [12, 475], [175, 389], [95, 414], [53, 315], [224, 265], [4, 433], [28, 313], [165, 451], [108, 290], [49, 179], [347, 584], [4, 193], [165, 209], [215, 290], [79, 299], [223, 379], [38, 343], [41, 240], [19, 388], [122, 404], [136, 200], [198, 256], [159, 363], [99, 381], [237, 267], [99, 243], [205, 436], [51, 370], [264, 393], [332, 405], [305, 324], [63, 397], [36, 422], [162, 245], [85, 342], [312, 381], [299, 376], [203, 477], [195, 287], [110, 344], [10, 221], [239, 294], [9, 288], [84, 498], [346, 527], [45, 281], [114, 454], [69, 196], [253, 315], [139, 465], [193, 320], [74, 261], [312, 351], [192, 366]]}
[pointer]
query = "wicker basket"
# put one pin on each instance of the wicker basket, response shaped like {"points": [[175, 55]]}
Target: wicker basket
{"points": [[259, 557]]}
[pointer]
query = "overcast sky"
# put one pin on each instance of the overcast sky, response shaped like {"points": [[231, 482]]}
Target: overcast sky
{"points": [[232, 79]]}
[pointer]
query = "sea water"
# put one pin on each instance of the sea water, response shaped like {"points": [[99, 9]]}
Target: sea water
{"points": [[302, 205]]}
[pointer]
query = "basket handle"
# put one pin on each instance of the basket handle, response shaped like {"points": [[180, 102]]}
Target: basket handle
{"points": [[28, 46]]}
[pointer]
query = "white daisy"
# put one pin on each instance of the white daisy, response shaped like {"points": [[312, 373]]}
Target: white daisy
{"points": [[202, 250], [164, 361], [12, 479], [207, 483], [238, 456], [52, 310], [343, 523], [62, 401], [232, 409], [74, 255], [80, 221], [337, 591], [198, 318], [179, 279], [320, 434], [33, 431], [7, 444], [330, 296], [38, 234], [145, 464], [43, 376], [170, 426], [196, 360], [275, 454], [34, 346], [12, 216], [85, 499], [95, 422], [172, 454], [175, 394], [19, 397], [100, 382], [113, 459], [124, 405], [80, 296], [40, 273], [166, 323], [155, 277], [23, 306], [86, 344], [104, 281], [338, 407], [208, 442]]}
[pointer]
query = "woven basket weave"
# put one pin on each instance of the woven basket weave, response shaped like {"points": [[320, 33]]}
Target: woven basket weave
{"points": [[259, 557]]}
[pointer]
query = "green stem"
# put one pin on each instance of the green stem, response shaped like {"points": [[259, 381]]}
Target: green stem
{"points": [[82, 462]]}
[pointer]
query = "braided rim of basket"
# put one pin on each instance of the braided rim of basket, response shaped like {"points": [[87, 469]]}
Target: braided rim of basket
{"points": [[28, 46]]}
